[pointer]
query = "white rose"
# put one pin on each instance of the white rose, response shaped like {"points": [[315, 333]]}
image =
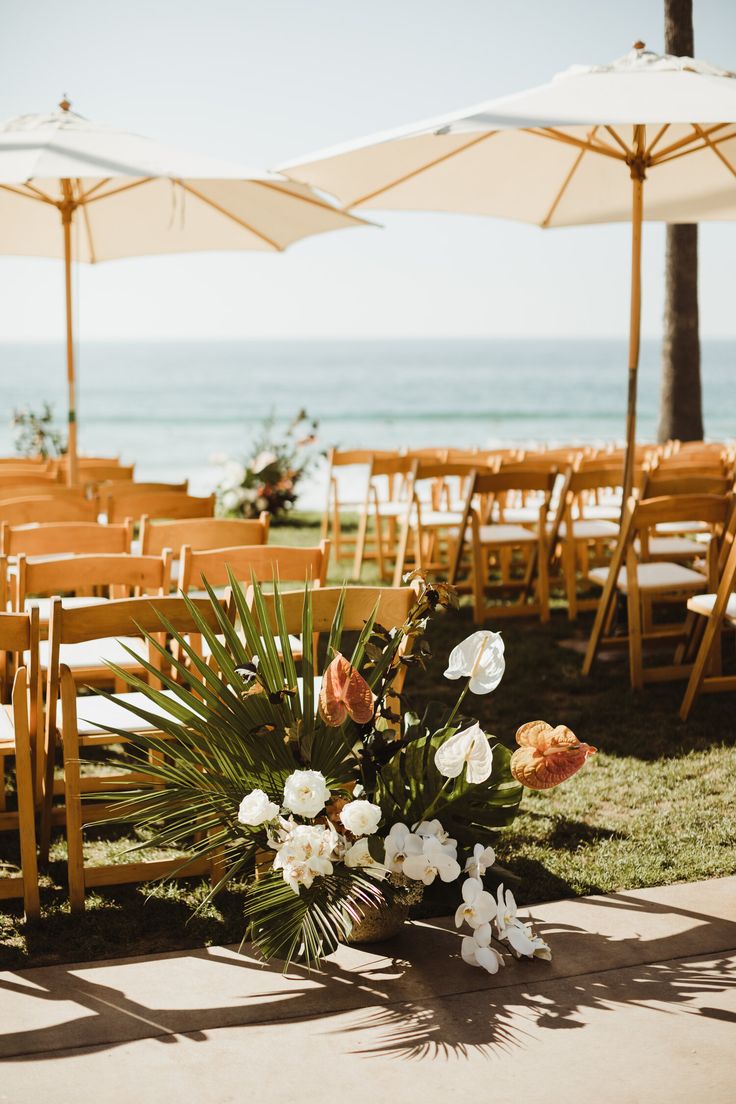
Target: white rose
{"points": [[256, 809], [480, 658], [305, 793], [232, 499], [361, 817]]}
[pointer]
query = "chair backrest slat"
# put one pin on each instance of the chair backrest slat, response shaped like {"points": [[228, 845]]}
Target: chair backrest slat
{"points": [[59, 538], [203, 532], [394, 604], [262, 562]]}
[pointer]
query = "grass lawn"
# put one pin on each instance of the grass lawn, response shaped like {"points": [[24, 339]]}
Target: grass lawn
{"points": [[657, 804]]}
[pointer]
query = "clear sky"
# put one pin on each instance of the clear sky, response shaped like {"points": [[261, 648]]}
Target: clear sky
{"points": [[263, 81]]}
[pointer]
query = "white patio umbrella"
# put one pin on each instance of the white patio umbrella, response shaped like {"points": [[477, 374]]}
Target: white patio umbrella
{"points": [[648, 137], [89, 192]]}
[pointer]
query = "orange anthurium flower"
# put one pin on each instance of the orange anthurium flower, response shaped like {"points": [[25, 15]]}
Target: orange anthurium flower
{"points": [[344, 693], [547, 755]]}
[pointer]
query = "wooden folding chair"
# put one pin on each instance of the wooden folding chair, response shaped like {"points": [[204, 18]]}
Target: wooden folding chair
{"points": [[429, 527], [491, 536], [384, 504], [341, 500], [46, 508], [646, 583], [577, 539], [711, 613], [19, 723], [63, 538], [82, 579], [111, 488], [81, 723], [202, 532], [157, 504]]}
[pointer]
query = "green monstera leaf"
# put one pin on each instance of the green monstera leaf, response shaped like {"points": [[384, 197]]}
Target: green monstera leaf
{"points": [[411, 789]]}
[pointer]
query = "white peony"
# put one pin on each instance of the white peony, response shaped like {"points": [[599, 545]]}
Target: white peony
{"points": [[306, 793], [256, 809], [469, 750], [361, 817], [480, 657]]}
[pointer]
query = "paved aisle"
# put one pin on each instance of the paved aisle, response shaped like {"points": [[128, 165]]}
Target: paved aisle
{"points": [[639, 1004]]}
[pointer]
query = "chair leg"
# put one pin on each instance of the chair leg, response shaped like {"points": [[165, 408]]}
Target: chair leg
{"points": [[360, 544], [569, 573], [73, 796], [636, 667], [605, 606], [26, 811], [543, 584], [401, 553], [695, 682]]}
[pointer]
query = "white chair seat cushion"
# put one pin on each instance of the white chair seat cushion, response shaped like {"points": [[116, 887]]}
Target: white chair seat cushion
{"points": [[389, 509], [590, 529], [7, 729], [94, 712], [653, 576], [505, 534], [94, 653], [676, 547], [703, 604], [435, 519], [609, 510], [521, 515], [682, 527], [43, 605]]}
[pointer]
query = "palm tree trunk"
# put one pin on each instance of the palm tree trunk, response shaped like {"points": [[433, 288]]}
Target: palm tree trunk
{"points": [[681, 408]]}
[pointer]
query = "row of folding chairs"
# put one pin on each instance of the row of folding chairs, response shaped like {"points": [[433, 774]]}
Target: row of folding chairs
{"points": [[76, 724]]}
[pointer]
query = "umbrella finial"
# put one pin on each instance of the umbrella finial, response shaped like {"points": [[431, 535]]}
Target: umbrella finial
{"points": [[64, 103], [639, 45]]}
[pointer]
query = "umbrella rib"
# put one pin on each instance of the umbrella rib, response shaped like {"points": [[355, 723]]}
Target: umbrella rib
{"points": [[122, 188], [713, 143], [422, 168], [617, 138], [719, 154], [95, 187], [688, 140], [229, 214], [559, 136], [565, 183], [307, 199], [39, 197], [87, 227], [656, 139]]}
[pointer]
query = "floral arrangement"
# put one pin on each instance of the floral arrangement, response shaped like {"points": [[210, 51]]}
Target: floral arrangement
{"points": [[331, 807], [34, 434], [268, 480]]}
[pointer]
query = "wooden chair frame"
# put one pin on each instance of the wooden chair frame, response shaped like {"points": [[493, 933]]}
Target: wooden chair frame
{"points": [[58, 538], [423, 527], [396, 470], [48, 508], [202, 532], [264, 562]]}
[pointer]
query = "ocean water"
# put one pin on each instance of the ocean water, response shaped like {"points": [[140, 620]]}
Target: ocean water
{"points": [[170, 406]]}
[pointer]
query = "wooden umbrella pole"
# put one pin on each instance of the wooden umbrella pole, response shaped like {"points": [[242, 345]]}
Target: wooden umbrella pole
{"points": [[637, 212], [67, 212]]}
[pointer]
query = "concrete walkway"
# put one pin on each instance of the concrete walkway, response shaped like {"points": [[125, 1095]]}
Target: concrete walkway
{"points": [[638, 1004]]}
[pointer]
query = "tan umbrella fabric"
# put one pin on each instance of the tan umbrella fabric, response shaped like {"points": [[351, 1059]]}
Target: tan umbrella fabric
{"points": [[648, 137], [85, 191]]}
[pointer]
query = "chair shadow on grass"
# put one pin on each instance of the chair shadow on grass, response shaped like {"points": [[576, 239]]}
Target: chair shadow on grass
{"points": [[417, 1002]]}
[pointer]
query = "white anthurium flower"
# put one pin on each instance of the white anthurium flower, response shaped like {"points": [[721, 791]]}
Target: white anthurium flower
{"points": [[431, 862], [306, 793], [359, 856], [256, 809], [399, 843], [483, 955], [480, 658], [361, 818], [477, 908], [481, 860], [467, 750]]}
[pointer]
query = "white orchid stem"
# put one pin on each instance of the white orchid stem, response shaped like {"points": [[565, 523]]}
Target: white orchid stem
{"points": [[473, 673]]}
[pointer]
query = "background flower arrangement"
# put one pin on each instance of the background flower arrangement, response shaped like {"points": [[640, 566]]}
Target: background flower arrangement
{"points": [[34, 433], [334, 809], [269, 479]]}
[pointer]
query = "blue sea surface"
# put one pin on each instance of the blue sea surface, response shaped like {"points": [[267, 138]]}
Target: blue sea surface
{"points": [[170, 406]]}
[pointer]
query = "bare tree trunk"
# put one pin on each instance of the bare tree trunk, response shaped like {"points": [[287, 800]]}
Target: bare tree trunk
{"points": [[681, 407]]}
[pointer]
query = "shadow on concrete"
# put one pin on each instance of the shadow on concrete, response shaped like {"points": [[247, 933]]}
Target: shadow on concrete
{"points": [[419, 1001]]}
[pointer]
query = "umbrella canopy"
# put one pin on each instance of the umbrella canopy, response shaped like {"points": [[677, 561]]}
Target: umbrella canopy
{"points": [[86, 191], [584, 148]]}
